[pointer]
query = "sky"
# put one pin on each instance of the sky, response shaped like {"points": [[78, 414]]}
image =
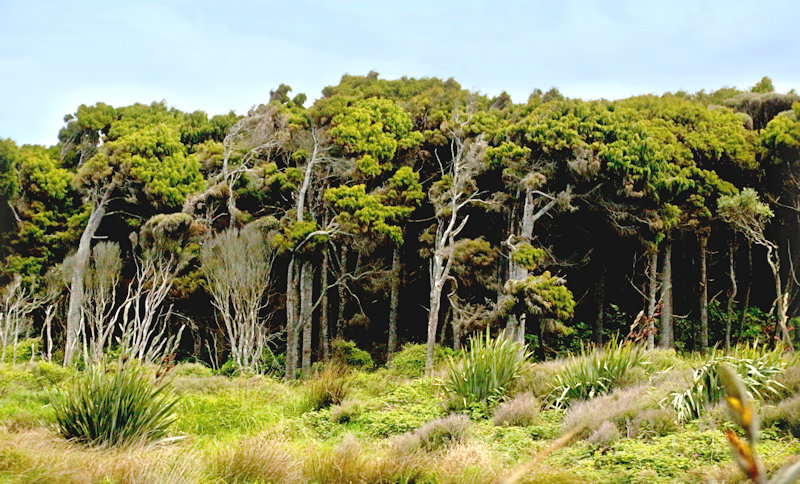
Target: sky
{"points": [[218, 56]]}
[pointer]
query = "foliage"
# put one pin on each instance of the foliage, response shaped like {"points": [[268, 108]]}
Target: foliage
{"points": [[410, 360], [756, 365], [114, 406], [346, 352], [595, 371], [485, 372]]}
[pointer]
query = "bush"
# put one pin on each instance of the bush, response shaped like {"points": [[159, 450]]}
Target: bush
{"points": [[346, 411], [595, 371], [410, 360], [604, 435], [114, 406], [196, 370], [444, 432], [486, 371], [346, 352], [785, 415], [329, 386], [257, 460], [757, 366], [521, 411]]}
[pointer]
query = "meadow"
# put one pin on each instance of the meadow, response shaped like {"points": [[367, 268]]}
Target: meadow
{"points": [[614, 414]]}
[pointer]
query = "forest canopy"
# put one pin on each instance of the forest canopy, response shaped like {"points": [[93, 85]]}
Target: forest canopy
{"points": [[405, 210]]}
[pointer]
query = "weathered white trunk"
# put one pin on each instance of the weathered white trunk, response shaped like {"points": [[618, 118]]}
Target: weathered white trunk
{"points": [[323, 312], [703, 241], [666, 298], [76, 290], [306, 310], [731, 297], [652, 300], [291, 319], [394, 301], [774, 261]]}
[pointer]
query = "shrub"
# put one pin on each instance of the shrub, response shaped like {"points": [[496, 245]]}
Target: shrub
{"points": [[346, 352], [485, 372], [604, 435], [785, 415], [257, 460], [329, 386], [656, 422], [346, 411], [444, 432], [521, 411], [410, 360], [595, 371], [197, 370], [756, 366], [115, 406]]}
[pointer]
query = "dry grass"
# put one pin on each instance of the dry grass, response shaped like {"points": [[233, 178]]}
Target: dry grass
{"points": [[41, 456], [520, 411], [465, 464], [604, 435], [590, 414], [257, 459], [536, 378]]}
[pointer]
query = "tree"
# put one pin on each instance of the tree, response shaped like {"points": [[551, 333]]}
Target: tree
{"points": [[455, 190], [749, 215], [238, 272]]}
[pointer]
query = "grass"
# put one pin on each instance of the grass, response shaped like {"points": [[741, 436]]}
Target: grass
{"points": [[260, 429]]}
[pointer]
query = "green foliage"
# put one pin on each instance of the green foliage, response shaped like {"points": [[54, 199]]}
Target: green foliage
{"points": [[329, 386], [114, 406], [485, 372], [348, 353], [756, 365], [410, 360], [595, 371], [542, 295], [8, 169], [528, 256]]}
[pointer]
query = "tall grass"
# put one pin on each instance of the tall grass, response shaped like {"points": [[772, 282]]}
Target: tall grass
{"points": [[114, 406], [757, 367], [595, 371], [486, 371]]}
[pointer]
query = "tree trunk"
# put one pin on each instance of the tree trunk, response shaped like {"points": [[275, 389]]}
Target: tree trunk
{"points": [[306, 309], [76, 290], [433, 322], [652, 302], [731, 296], [600, 308], [291, 320], [394, 301], [323, 312], [666, 298], [774, 261], [703, 241], [342, 296], [747, 289]]}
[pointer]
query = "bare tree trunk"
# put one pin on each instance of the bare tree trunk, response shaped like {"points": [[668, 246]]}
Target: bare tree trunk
{"points": [[342, 295], [291, 320], [652, 302], [433, 321], [323, 312], [703, 241], [666, 298], [601, 302], [731, 296], [306, 309], [394, 301], [747, 289], [80, 265], [774, 261]]}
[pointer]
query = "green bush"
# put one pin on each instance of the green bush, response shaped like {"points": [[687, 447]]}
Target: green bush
{"points": [[485, 372], [595, 372], [410, 360], [349, 354], [114, 406]]}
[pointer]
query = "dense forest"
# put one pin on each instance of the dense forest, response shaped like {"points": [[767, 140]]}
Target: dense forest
{"points": [[408, 210]]}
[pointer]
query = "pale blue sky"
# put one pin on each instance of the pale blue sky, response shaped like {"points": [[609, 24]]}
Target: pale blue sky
{"points": [[217, 56]]}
